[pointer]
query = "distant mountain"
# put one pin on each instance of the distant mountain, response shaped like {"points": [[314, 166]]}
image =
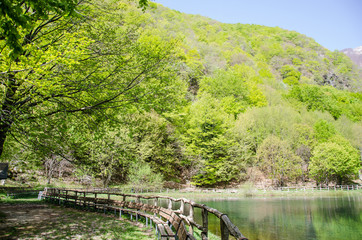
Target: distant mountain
{"points": [[355, 54], [214, 45]]}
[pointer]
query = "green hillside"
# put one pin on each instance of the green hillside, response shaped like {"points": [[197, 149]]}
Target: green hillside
{"points": [[140, 98]]}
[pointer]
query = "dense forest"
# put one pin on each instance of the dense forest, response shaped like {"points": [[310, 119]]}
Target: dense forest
{"points": [[114, 92]]}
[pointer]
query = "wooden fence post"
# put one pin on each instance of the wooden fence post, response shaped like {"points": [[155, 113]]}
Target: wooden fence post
{"points": [[170, 204], [205, 224], [191, 216], [66, 196], [155, 203], [95, 202], [182, 207], [76, 198], [59, 196], [224, 230]]}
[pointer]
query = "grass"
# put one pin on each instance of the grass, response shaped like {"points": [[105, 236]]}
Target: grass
{"points": [[211, 236], [256, 194], [54, 222], [32, 219]]}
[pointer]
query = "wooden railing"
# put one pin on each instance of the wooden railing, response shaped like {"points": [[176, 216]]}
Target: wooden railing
{"points": [[170, 222], [321, 188]]}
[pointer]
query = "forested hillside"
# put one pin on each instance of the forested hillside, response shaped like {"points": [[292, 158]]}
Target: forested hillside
{"points": [[126, 96]]}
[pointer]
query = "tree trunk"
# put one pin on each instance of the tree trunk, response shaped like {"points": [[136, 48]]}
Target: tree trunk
{"points": [[7, 110], [4, 128], [106, 180]]}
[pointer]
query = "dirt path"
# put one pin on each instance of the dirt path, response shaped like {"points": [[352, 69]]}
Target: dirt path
{"points": [[41, 221]]}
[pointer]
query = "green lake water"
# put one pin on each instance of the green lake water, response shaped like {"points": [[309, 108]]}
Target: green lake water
{"points": [[294, 218]]}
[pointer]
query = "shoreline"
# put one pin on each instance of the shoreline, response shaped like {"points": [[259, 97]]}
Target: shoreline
{"points": [[256, 194]]}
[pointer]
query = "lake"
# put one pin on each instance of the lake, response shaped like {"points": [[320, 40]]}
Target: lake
{"points": [[293, 218]]}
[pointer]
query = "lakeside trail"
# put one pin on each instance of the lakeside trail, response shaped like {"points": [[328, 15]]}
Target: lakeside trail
{"points": [[42, 221]]}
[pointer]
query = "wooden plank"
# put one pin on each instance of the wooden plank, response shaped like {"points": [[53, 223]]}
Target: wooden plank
{"points": [[176, 217], [161, 229], [181, 233], [175, 224], [166, 216], [167, 211], [169, 230]]}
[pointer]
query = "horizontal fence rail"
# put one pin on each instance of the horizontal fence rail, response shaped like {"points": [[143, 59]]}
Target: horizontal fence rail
{"points": [[320, 188], [170, 222]]}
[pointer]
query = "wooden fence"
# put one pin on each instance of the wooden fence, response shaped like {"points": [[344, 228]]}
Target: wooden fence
{"points": [[320, 188], [170, 222]]}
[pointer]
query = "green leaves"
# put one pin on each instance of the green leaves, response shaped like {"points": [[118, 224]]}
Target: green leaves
{"points": [[278, 161], [207, 142], [237, 88], [336, 102], [323, 130], [334, 160], [142, 176], [290, 75], [109, 92], [22, 17]]}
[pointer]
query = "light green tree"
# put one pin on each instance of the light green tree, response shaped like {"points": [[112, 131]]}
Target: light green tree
{"points": [[204, 136], [324, 130], [334, 160], [71, 65], [278, 161], [290, 75], [155, 143], [302, 142], [141, 176], [236, 87]]}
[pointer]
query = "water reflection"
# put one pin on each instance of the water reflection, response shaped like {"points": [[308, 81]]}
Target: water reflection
{"points": [[292, 218]]}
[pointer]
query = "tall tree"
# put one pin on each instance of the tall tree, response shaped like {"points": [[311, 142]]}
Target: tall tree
{"points": [[204, 134], [334, 160], [278, 161], [69, 64]]}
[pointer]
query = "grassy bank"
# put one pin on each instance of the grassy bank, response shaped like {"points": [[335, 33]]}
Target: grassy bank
{"points": [[29, 218], [195, 195], [45, 221]]}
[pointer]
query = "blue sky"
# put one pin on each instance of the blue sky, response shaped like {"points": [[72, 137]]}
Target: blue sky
{"points": [[335, 24]]}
